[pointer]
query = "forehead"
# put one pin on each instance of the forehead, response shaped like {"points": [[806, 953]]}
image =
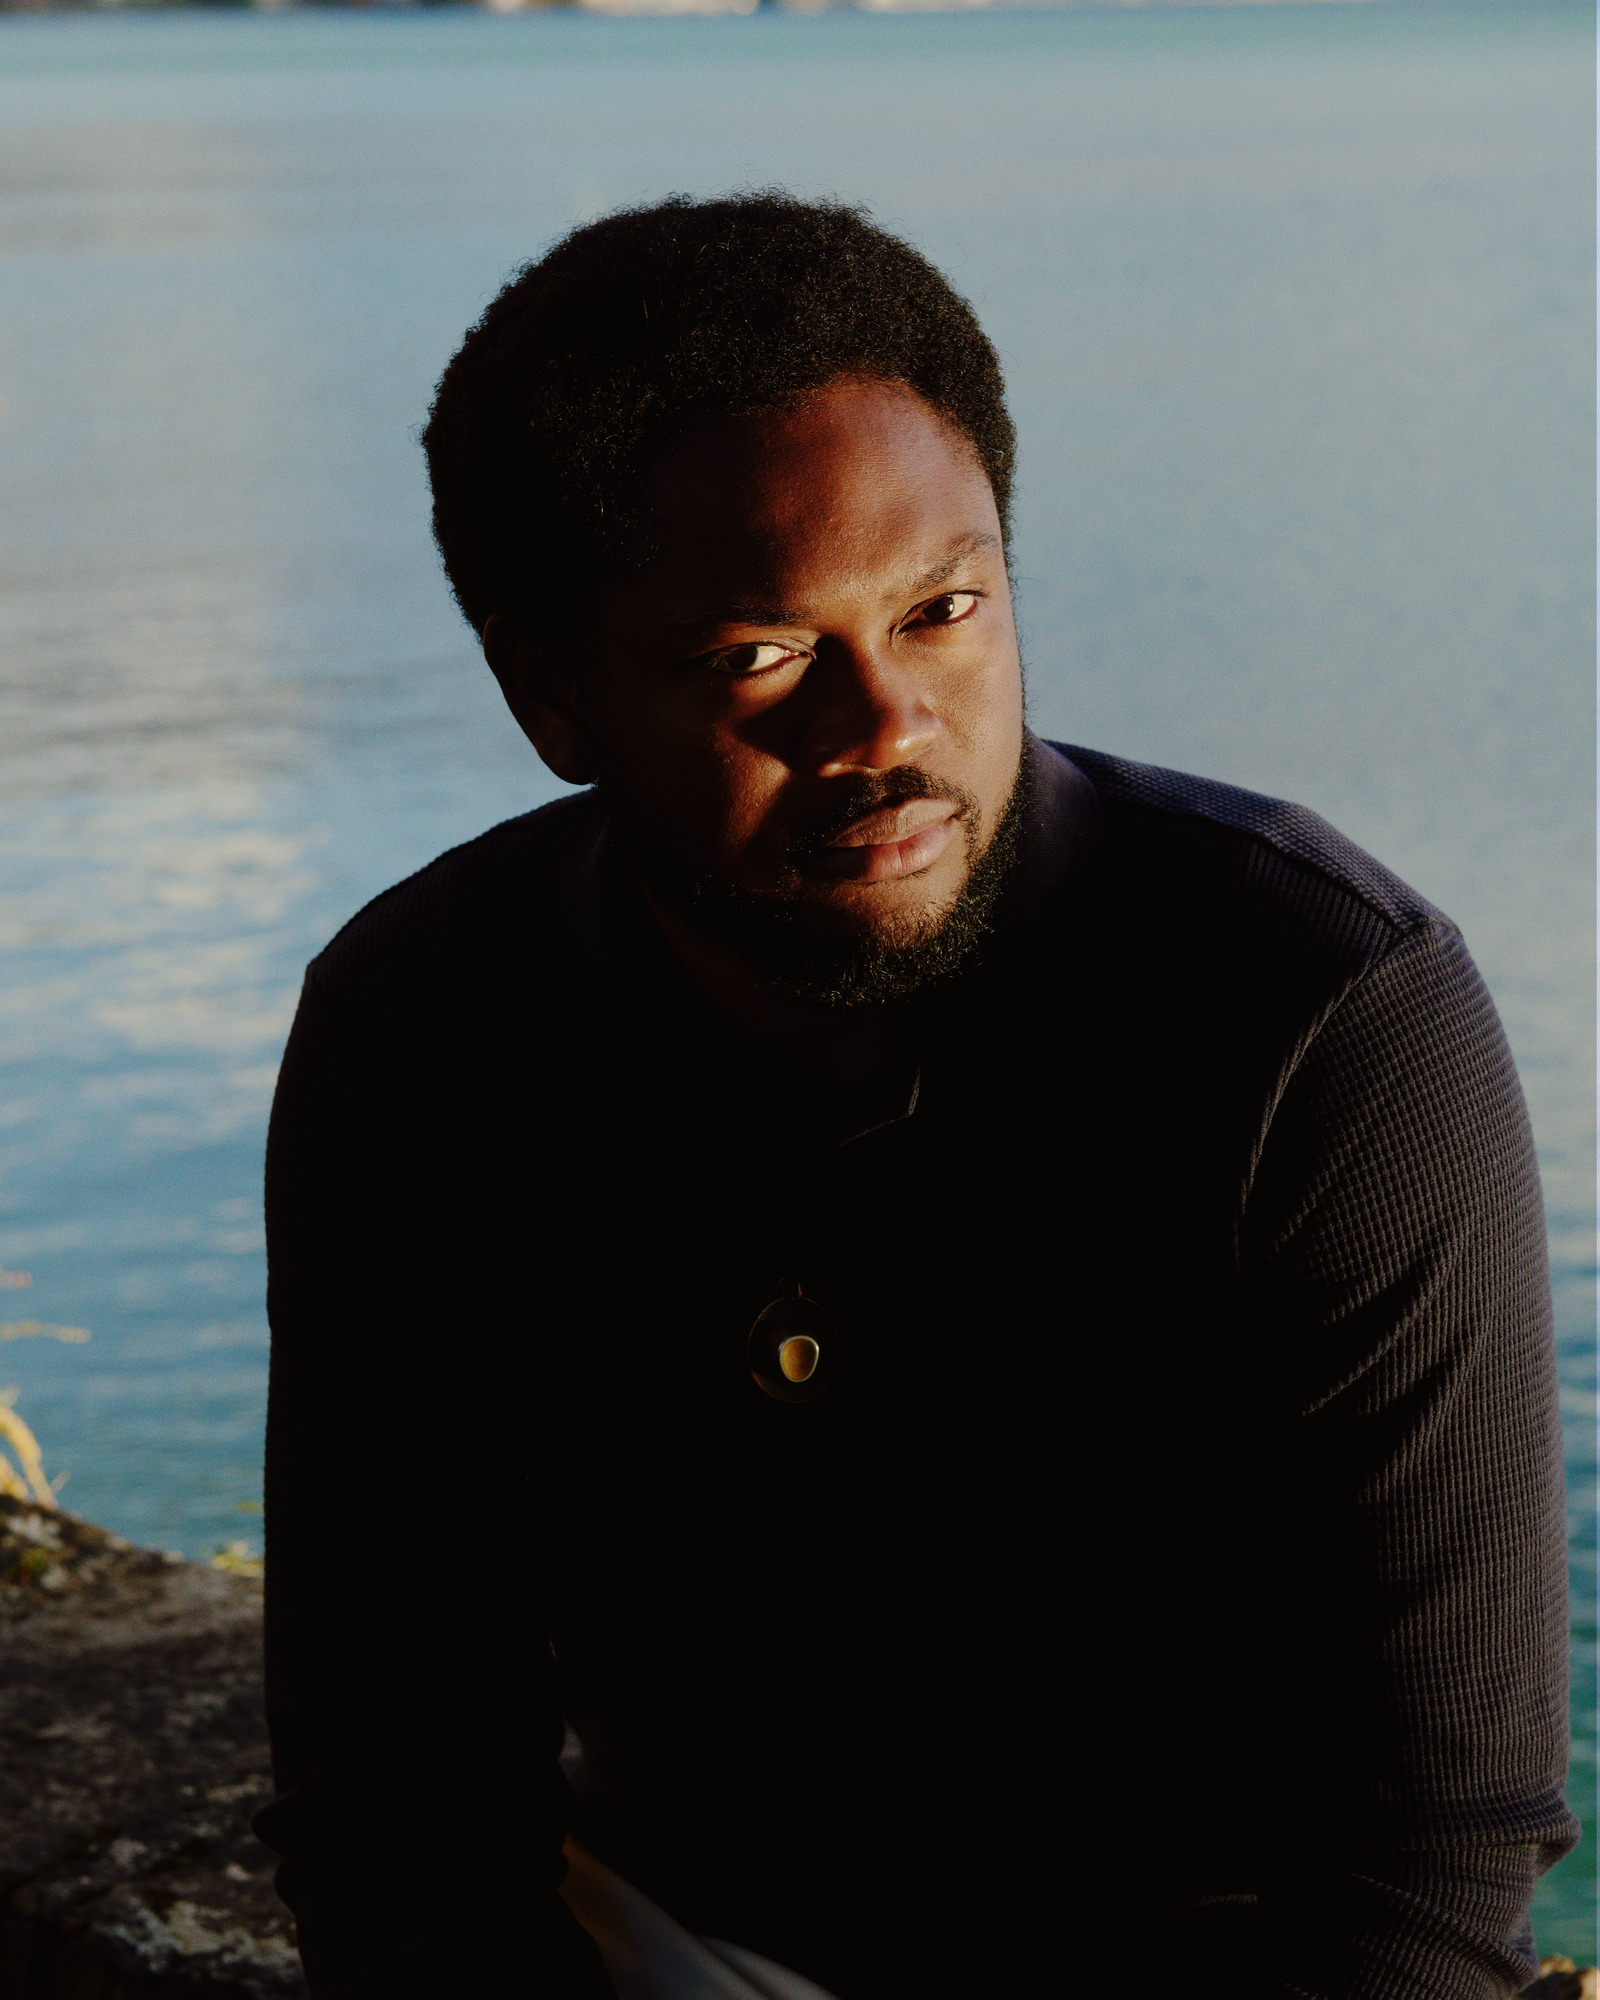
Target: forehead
{"points": [[860, 481]]}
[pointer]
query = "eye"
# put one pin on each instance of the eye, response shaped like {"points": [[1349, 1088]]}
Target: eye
{"points": [[947, 610], [740, 662]]}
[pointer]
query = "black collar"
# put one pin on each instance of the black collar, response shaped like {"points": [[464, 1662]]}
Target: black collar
{"points": [[634, 1013]]}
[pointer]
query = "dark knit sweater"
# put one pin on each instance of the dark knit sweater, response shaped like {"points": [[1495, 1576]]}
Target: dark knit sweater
{"points": [[1173, 1564]]}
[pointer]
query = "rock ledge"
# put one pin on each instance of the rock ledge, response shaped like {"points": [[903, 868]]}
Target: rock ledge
{"points": [[135, 1753]]}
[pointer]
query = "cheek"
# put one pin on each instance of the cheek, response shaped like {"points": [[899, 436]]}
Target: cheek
{"points": [[996, 734], [737, 790], [1015, 706], [989, 711], [697, 778]]}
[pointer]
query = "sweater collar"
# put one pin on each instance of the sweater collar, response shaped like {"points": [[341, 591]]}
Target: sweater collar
{"points": [[637, 1008]]}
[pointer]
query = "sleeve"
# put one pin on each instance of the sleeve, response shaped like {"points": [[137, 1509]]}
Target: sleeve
{"points": [[1394, 1239], [410, 1692]]}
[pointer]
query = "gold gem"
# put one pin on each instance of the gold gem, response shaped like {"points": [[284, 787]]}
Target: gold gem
{"points": [[798, 1357]]}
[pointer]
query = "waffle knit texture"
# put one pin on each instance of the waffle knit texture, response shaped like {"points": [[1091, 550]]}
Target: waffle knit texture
{"points": [[1174, 1562]]}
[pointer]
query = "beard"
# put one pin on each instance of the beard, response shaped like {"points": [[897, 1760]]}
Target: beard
{"points": [[800, 948]]}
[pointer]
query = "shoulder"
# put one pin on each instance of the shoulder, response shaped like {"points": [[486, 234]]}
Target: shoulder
{"points": [[464, 911], [1239, 865]]}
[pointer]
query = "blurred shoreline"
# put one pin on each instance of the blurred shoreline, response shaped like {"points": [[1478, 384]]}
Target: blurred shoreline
{"points": [[664, 9]]}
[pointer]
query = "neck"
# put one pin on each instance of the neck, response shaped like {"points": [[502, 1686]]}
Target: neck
{"points": [[846, 1045]]}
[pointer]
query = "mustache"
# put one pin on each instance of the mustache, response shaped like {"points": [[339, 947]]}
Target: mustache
{"points": [[873, 795]]}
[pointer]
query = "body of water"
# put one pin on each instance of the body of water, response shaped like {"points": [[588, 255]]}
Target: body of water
{"points": [[1296, 305]]}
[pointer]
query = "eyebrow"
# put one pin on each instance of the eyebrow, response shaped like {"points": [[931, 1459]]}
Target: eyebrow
{"points": [[754, 611], [969, 545]]}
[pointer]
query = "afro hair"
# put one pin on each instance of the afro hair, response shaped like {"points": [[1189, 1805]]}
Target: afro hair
{"points": [[634, 327]]}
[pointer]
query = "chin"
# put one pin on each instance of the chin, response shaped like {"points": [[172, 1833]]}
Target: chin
{"points": [[889, 924], [841, 945]]}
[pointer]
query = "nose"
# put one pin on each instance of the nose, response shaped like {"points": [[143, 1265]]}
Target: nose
{"points": [[872, 713]]}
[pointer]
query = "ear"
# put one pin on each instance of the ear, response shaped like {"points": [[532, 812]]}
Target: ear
{"points": [[547, 696]]}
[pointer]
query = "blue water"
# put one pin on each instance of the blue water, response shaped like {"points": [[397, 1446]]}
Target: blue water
{"points": [[1296, 307]]}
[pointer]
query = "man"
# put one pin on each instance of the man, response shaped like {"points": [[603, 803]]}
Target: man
{"points": [[965, 1322]]}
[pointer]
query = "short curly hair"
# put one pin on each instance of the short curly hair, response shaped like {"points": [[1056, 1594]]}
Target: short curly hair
{"points": [[633, 327]]}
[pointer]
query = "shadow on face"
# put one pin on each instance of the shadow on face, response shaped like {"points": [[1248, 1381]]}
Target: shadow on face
{"points": [[811, 695]]}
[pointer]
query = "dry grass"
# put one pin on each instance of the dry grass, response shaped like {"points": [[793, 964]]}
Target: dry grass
{"points": [[25, 1479], [22, 1478], [22, 1475]]}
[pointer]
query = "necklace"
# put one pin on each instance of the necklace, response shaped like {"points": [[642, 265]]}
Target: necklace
{"points": [[793, 1346]]}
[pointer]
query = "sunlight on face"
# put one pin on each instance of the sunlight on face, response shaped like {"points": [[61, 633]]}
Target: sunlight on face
{"points": [[813, 692]]}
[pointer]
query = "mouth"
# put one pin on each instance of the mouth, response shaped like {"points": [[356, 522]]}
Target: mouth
{"points": [[882, 846]]}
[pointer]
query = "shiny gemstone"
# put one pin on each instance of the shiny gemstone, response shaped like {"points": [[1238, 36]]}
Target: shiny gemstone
{"points": [[798, 1357], [792, 1351]]}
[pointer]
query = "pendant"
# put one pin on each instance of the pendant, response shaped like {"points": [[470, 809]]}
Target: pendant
{"points": [[793, 1349]]}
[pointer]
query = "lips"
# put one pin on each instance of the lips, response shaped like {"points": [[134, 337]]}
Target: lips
{"points": [[898, 840]]}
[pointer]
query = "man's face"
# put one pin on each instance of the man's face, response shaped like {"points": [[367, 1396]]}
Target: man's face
{"points": [[812, 696]]}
